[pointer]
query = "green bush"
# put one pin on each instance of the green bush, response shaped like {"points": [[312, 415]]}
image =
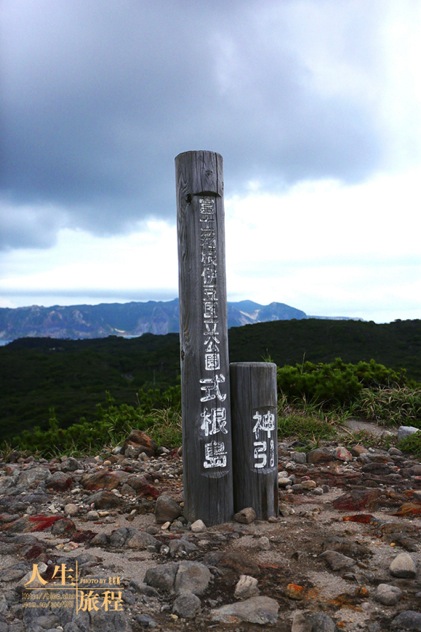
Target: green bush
{"points": [[333, 385], [157, 412]]}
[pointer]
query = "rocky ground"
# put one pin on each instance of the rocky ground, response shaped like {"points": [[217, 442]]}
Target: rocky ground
{"points": [[101, 544]]}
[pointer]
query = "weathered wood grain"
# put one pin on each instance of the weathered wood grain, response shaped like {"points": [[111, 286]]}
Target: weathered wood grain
{"points": [[207, 450], [254, 437]]}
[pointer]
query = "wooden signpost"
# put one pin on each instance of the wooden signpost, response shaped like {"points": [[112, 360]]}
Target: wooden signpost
{"points": [[255, 437], [206, 408], [212, 450]]}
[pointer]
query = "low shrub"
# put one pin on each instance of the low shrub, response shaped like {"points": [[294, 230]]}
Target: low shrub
{"points": [[336, 384], [390, 406]]}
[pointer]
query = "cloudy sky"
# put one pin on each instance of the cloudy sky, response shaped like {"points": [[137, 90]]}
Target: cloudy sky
{"points": [[315, 106]]}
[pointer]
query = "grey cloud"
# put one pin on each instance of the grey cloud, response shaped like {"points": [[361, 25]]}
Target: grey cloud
{"points": [[100, 96], [29, 226]]}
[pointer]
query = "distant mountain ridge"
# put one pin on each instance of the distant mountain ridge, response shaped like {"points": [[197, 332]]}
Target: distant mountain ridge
{"points": [[123, 319]]}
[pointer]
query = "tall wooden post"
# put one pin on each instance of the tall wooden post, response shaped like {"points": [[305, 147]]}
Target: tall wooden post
{"points": [[255, 437], [207, 450]]}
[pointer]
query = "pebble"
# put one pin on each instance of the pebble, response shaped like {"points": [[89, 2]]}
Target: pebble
{"points": [[198, 526], [261, 610], [408, 620], [166, 509], [387, 594], [246, 587], [337, 561], [187, 605], [245, 516], [403, 566]]}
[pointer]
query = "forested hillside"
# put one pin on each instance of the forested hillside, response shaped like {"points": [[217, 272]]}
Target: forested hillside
{"points": [[70, 377]]}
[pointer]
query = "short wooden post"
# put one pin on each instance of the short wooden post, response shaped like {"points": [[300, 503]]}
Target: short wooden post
{"points": [[255, 437], [206, 412]]}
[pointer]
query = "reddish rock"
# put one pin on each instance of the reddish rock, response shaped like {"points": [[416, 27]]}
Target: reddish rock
{"points": [[239, 562], [103, 479], [59, 482], [35, 552], [409, 510], [148, 491], [342, 454], [357, 500], [298, 592], [64, 527], [41, 523], [140, 441], [138, 482], [362, 518], [320, 455], [358, 450]]}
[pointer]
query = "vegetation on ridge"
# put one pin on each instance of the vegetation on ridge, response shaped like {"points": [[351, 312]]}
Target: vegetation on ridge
{"points": [[70, 395]]}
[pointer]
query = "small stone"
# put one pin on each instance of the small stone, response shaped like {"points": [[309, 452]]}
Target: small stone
{"points": [[308, 485], [295, 591], [406, 431], [358, 450], [192, 577], [357, 500], [102, 479], [59, 482], [403, 566], [71, 509], [395, 451], [261, 610], [337, 561], [286, 510], [407, 620], [162, 577], [198, 526], [166, 509], [263, 543], [387, 594], [321, 622], [145, 621], [320, 455], [92, 515], [105, 500], [299, 457], [342, 454], [141, 442], [301, 622], [246, 587], [283, 481], [64, 527], [187, 605], [245, 516]]}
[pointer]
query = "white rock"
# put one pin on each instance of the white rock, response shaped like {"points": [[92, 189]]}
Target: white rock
{"points": [[406, 431], [403, 566], [246, 587], [198, 526]]}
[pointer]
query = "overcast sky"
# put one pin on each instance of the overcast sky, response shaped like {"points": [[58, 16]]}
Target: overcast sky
{"points": [[315, 106]]}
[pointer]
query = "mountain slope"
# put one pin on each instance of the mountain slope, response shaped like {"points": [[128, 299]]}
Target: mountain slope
{"points": [[123, 319]]}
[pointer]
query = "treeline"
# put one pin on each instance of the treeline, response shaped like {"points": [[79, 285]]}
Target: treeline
{"points": [[44, 378]]}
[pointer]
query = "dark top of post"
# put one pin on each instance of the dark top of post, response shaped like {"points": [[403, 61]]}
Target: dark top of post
{"points": [[200, 173]]}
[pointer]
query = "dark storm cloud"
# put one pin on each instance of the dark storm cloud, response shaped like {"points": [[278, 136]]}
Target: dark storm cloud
{"points": [[100, 96]]}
